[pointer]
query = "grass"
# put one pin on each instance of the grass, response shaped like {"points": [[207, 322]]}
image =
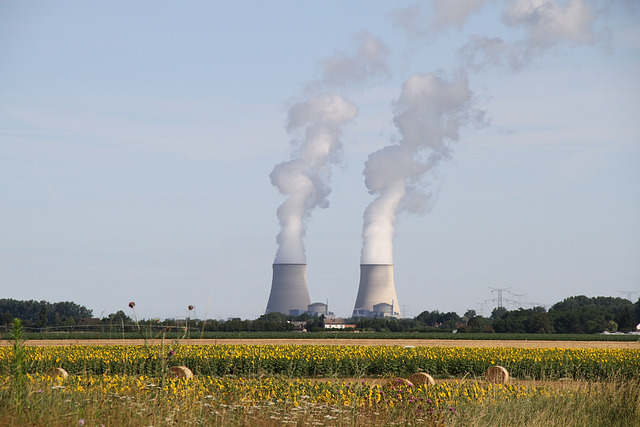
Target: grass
{"points": [[599, 404], [133, 401], [275, 394]]}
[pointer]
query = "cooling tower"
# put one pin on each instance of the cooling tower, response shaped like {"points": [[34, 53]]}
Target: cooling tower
{"points": [[288, 289], [375, 291]]}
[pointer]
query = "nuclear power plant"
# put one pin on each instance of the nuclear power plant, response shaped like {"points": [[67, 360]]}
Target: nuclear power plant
{"points": [[376, 292], [288, 289]]}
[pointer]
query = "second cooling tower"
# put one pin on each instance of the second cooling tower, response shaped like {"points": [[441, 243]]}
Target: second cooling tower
{"points": [[288, 289], [376, 292]]}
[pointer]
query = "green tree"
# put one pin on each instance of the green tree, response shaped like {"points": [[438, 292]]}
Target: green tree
{"points": [[498, 312], [478, 324], [625, 319], [6, 318], [539, 323], [42, 317], [468, 315], [118, 318], [581, 314]]}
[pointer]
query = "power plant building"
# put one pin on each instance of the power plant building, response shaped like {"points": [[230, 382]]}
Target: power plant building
{"points": [[288, 289], [315, 309], [376, 292], [318, 309]]}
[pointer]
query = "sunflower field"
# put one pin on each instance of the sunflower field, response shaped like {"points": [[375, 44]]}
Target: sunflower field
{"points": [[307, 361], [273, 385]]}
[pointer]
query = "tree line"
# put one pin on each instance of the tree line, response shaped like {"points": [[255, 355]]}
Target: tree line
{"points": [[41, 314], [573, 315]]}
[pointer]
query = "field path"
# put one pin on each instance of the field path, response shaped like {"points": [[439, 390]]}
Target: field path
{"points": [[361, 342]]}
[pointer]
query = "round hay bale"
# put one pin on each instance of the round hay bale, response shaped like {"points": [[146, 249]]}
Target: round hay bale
{"points": [[57, 372], [399, 381], [181, 372], [497, 374], [421, 378]]}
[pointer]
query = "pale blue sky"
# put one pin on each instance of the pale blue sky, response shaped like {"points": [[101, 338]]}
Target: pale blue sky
{"points": [[137, 139]]}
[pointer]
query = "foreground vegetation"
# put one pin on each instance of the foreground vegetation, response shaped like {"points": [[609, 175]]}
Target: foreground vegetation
{"points": [[147, 400], [142, 400], [275, 385]]}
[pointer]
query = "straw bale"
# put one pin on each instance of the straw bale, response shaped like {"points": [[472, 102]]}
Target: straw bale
{"points": [[181, 372], [497, 374], [421, 378], [57, 372]]}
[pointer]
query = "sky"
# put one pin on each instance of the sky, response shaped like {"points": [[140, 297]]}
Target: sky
{"points": [[141, 145]]}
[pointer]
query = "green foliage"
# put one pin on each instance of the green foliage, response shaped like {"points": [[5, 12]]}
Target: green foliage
{"points": [[581, 314], [17, 365], [477, 324], [17, 389], [42, 313], [268, 401], [530, 321], [498, 312], [574, 315], [435, 318], [272, 322], [118, 318]]}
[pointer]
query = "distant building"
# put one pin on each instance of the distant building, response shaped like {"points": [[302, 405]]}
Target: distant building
{"points": [[316, 309], [299, 326], [296, 312], [337, 324], [382, 309]]}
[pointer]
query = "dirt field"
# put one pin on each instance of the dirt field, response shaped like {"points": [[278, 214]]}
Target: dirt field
{"points": [[364, 342]]}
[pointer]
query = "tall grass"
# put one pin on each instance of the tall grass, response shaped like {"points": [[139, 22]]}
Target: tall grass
{"points": [[134, 401], [594, 404]]}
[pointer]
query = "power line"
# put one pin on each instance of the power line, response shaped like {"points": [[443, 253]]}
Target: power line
{"points": [[629, 294], [404, 311], [481, 304], [519, 299], [499, 300]]}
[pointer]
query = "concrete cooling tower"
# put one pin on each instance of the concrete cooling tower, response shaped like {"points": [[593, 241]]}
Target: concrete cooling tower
{"points": [[376, 292], [288, 289]]}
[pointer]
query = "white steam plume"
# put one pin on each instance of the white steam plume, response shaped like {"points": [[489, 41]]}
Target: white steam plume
{"points": [[443, 14], [368, 62], [431, 110], [316, 126], [545, 24], [305, 178], [429, 114]]}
